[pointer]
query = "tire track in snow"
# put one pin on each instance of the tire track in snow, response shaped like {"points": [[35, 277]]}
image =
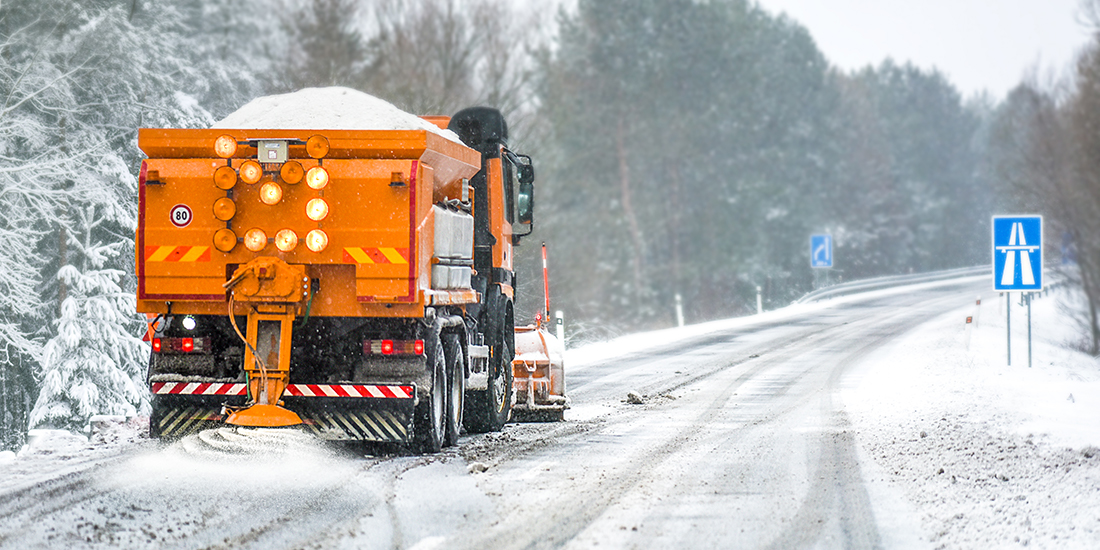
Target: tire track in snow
{"points": [[560, 528]]}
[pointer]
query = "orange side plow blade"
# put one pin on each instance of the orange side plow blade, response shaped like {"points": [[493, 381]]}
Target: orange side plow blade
{"points": [[268, 416]]}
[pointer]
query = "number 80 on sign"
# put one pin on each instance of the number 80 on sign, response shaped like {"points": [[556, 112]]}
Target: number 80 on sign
{"points": [[181, 215]]}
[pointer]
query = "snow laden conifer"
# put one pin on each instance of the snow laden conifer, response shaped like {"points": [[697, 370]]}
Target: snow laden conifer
{"points": [[94, 365]]}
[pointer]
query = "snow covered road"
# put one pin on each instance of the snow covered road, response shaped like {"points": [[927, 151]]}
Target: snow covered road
{"points": [[818, 426]]}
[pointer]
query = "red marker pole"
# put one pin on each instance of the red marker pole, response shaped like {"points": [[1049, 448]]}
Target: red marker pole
{"points": [[545, 283]]}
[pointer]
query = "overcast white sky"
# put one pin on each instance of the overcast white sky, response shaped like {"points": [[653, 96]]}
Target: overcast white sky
{"points": [[977, 44]]}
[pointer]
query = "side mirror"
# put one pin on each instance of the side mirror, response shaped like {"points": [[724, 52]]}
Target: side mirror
{"points": [[525, 202], [527, 172]]}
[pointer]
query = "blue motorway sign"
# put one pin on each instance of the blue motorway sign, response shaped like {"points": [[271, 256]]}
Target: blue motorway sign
{"points": [[1017, 253], [821, 251]]}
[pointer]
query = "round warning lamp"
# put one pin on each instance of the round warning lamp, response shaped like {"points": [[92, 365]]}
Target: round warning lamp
{"points": [[317, 177], [317, 146], [255, 239], [225, 177], [316, 209], [225, 240], [251, 172], [316, 240], [225, 209], [225, 146], [292, 172], [271, 193], [286, 240]]}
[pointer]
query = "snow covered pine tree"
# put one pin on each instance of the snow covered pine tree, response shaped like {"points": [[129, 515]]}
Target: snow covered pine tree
{"points": [[94, 365]]}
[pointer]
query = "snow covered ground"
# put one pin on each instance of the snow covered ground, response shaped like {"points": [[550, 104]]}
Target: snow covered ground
{"points": [[983, 454], [990, 455], [956, 448]]}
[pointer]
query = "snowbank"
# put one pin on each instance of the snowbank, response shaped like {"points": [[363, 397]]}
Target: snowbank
{"points": [[332, 108], [992, 455]]}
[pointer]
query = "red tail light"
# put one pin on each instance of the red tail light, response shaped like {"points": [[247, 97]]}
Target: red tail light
{"points": [[183, 345], [393, 347]]}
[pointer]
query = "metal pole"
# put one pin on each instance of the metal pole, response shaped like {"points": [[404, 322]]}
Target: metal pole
{"points": [[759, 301], [545, 284], [1008, 317], [1029, 330], [679, 310]]}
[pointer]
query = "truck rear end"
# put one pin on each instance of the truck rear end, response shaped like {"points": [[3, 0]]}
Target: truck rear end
{"points": [[294, 269]]}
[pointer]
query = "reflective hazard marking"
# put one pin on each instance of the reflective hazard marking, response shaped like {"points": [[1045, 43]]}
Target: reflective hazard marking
{"points": [[177, 253], [181, 215], [198, 388], [368, 256], [297, 390], [350, 390]]}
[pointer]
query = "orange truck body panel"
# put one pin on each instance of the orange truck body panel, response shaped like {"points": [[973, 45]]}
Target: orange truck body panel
{"points": [[382, 185]]}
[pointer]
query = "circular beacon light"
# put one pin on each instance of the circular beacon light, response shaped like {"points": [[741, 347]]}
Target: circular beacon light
{"points": [[317, 146], [292, 172], [316, 240], [286, 240], [271, 193], [316, 209], [225, 146], [251, 172], [317, 178], [225, 240], [255, 239], [225, 177], [225, 209]]}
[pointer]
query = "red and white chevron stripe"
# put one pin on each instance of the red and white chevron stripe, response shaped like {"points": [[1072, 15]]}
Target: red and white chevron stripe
{"points": [[198, 388], [350, 390], [297, 390]]}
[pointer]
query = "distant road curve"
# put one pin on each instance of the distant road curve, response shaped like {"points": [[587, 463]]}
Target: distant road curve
{"points": [[865, 285]]}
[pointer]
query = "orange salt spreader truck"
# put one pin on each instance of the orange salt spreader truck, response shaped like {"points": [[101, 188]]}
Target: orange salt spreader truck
{"points": [[356, 282]]}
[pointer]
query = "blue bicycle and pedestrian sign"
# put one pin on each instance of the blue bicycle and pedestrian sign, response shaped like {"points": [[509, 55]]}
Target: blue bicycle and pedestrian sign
{"points": [[1017, 253], [821, 251]]}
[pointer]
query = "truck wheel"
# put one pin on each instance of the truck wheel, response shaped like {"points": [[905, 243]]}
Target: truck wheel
{"points": [[492, 408], [430, 413], [456, 387]]}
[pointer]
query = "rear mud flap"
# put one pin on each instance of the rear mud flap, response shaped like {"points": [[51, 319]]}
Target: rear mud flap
{"points": [[355, 419], [332, 418], [176, 416]]}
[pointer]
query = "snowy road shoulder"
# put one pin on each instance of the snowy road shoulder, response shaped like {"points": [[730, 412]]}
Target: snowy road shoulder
{"points": [[991, 455]]}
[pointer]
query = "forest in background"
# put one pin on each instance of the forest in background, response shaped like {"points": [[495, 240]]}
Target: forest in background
{"points": [[682, 148]]}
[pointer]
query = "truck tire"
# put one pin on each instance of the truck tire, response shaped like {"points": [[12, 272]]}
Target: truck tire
{"points": [[492, 408], [456, 387], [430, 414]]}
